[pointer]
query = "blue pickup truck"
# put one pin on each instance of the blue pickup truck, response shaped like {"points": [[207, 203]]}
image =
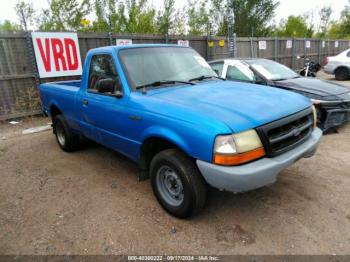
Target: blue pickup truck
{"points": [[164, 107]]}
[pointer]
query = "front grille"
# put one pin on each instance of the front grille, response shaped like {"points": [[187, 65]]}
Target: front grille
{"points": [[285, 134]]}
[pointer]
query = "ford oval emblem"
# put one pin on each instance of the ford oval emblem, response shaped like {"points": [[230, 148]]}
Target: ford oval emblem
{"points": [[296, 132]]}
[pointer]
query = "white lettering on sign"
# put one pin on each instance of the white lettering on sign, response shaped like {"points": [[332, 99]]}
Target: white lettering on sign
{"points": [[289, 44], [307, 44], [57, 54], [183, 43], [124, 41], [262, 45]]}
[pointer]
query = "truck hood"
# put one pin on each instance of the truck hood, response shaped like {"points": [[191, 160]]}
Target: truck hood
{"points": [[240, 106], [314, 86]]}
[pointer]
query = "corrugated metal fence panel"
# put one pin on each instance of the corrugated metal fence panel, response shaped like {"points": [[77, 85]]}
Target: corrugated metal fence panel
{"points": [[18, 90], [284, 54], [18, 94]]}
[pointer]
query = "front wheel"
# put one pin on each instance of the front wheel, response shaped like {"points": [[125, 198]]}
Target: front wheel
{"points": [[177, 183]]}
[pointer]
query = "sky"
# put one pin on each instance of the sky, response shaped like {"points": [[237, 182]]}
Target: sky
{"points": [[286, 7]]}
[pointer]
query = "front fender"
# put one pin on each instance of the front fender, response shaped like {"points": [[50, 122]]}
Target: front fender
{"points": [[167, 134]]}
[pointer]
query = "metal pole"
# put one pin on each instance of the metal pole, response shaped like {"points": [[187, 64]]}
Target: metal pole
{"points": [[293, 54], [319, 50], [209, 38], [251, 47], [276, 49], [234, 45], [230, 36]]}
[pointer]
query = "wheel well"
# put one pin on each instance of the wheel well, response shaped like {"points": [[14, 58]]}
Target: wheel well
{"points": [[151, 147], [54, 112]]}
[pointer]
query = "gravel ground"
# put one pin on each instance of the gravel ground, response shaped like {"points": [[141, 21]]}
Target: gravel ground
{"points": [[90, 202]]}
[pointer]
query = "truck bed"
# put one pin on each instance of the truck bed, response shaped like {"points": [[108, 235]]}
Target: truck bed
{"points": [[60, 93]]}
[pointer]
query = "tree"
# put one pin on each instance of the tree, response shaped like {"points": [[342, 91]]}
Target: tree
{"points": [[109, 13], [251, 17], [25, 13], [294, 26], [180, 22], [335, 30], [64, 15], [198, 18], [8, 26], [165, 19], [325, 19], [140, 17], [345, 22]]}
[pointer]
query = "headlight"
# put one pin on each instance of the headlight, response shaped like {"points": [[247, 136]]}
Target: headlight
{"points": [[314, 111], [238, 148]]}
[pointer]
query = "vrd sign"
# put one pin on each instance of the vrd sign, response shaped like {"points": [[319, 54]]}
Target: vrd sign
{"points": [[57, 54]]}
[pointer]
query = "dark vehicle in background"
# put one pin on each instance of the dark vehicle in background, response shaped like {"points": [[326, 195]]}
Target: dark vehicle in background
{"points": [[331, 100]]}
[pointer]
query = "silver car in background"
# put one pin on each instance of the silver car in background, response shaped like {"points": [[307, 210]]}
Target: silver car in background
{"points": [[339, 65]]}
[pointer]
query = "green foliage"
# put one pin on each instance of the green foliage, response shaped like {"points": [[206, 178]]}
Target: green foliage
{"points": [[251, 17], [131, 16], [64, 15], [344, 24], [198, 18], [325, 19], [140, 18], [7, 26], [294, 26], [180, 22], [25, 13], [165, 19]]}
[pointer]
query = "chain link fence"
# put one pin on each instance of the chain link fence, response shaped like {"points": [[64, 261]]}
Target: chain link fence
{"points": [[19, 80]]}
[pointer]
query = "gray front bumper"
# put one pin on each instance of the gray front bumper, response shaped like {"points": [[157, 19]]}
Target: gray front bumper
{"points": [[258, 173]]}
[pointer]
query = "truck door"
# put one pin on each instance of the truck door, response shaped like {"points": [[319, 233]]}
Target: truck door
{"points": [[105, 112]]}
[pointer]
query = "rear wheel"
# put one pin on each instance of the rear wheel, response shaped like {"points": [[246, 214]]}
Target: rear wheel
{"points": [[66, 139], [177, 183], [342, 74]]}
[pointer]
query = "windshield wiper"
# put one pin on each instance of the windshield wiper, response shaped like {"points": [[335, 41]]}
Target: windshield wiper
{"points": [[163, 82], [203, 77]]}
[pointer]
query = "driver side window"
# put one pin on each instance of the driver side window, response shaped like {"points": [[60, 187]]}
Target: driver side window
{"points": [[102, 67]]}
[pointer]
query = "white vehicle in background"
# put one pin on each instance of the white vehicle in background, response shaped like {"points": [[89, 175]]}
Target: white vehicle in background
{"points": [[339, 65]]}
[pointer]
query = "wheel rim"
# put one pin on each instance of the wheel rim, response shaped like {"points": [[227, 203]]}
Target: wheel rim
{"points": [[170, 186], [61, 136]]}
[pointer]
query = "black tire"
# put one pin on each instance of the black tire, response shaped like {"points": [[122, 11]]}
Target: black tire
{"points": [[66, 139], [342, 74], [193, 184], [302, 72]]}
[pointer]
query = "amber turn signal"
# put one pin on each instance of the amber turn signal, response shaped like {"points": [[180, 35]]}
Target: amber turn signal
{"points": [[237, 159]]}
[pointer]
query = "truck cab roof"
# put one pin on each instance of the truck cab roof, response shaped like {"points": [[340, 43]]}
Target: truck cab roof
{"points": [[117, 48]]}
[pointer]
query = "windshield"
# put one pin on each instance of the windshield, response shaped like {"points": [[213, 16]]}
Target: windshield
{"points": [[151, 64], [272, 70]]}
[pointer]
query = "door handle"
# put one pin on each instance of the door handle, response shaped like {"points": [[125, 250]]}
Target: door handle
{"points": [[85, 102]]}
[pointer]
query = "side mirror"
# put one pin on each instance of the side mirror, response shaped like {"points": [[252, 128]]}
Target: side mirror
{"points": [[105, 85], [217, 72]]}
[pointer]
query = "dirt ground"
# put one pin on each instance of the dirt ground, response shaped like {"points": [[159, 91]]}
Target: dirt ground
{"points": [[90, 202]]}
